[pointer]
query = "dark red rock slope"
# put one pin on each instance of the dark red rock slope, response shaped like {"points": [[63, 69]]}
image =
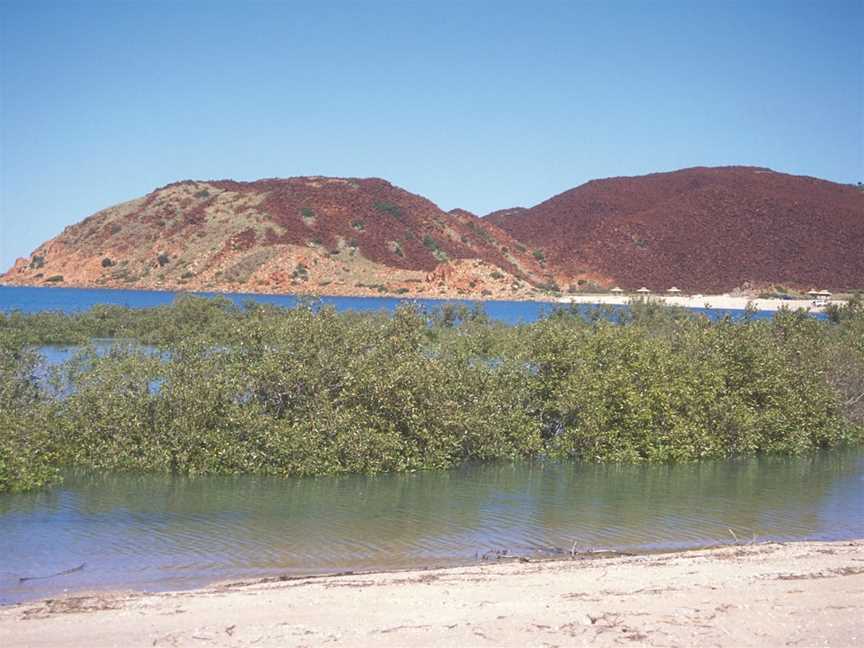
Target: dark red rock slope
{"points": [[702, 229]]}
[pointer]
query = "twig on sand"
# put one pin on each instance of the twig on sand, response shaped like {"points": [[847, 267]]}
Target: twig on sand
{"points": [[498, 554], [734, 536], [24, 579], [854, 399]]}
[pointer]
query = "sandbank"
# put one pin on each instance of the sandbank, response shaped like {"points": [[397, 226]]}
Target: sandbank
{"points": [[798, 594]]}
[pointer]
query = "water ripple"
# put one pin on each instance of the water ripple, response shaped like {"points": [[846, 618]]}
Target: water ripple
{"points": [[157, 532]]}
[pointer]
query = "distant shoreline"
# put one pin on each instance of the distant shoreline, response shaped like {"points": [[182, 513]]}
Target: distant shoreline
{"points": [[698, 301], [539, 297], [724, 302], [766, 594]]}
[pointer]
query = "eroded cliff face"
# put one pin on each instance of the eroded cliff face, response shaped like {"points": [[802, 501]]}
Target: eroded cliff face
{"points": [[702, 229], [301, 235]]}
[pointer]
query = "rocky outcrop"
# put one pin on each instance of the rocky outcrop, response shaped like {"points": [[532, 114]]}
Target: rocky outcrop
{"points": [[701, 229], [342, 236]]}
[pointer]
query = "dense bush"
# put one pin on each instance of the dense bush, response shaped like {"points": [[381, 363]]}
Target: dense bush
{"points": [[26, 433], [617, 393], [204, 386]]}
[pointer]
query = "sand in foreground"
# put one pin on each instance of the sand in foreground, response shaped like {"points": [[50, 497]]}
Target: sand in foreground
{"points": [[802, 594]]}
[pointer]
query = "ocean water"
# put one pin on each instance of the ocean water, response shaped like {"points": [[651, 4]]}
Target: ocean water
{"points": [[30, 300]]}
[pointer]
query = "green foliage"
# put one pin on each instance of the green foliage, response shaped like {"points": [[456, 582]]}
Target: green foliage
{"points": [[300, 272], [432, 245], [307, 391], [538, 254], [54, 279], [479, 231], [26, 457], [623, 393], [781, 292], [162, 326], [851, 310], [389, 208], [845, 353]]}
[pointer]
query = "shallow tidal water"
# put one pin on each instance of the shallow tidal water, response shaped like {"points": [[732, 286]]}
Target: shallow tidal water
{"points": [[157, 532]]}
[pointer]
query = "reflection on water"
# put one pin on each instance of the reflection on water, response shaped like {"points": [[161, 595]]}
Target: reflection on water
{"points": [[158, 532]]}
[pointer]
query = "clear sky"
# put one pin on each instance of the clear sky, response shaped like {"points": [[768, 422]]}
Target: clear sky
{"points": [[480, 105]]}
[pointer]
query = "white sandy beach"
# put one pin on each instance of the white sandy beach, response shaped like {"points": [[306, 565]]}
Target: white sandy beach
{"points": [[800, 594], [730, 302]]}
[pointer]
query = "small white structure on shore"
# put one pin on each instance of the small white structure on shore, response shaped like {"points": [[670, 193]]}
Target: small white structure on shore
{"points": [[674, 290], [616, 290], [643, 291], [821, 295]]}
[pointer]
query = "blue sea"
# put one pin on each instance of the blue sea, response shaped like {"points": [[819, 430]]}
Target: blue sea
{"points": [[68, 300]]}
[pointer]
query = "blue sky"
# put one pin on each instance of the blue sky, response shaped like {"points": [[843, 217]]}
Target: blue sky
{"points": [[480, 105]]}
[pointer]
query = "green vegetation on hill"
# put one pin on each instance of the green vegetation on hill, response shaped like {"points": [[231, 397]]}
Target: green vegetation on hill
{"points": [[204, 386]]}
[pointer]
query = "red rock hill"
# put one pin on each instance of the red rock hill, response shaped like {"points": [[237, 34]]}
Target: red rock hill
{"points": [[311, 234], [702, 229]]}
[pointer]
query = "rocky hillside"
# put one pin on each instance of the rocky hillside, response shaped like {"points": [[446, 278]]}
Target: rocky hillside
{"points": [[300, 235], [702, 229]]}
